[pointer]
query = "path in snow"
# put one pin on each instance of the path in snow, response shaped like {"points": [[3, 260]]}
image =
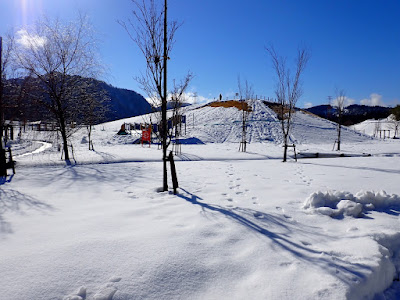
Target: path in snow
{"points": [[45, 146]]}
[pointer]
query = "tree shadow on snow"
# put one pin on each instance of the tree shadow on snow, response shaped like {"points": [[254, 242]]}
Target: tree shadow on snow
{"points": [[281, 231], [3, 179], [89, 174], [354, 167], [17, 202]]}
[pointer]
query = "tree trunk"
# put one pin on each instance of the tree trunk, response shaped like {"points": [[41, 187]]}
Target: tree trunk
{"points": [[63, 131], [285, 152], [90, 137], [338, 141], [164, 105]]}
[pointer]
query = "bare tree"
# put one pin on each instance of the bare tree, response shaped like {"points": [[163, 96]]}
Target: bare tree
{"points": [[5, 56], [94, 103], [394, 125], [5, 69], [154, 36], [246, 94], [177, 99], [395, 120], [339, 106], [377, 128], [288, 89], [57, 54]]}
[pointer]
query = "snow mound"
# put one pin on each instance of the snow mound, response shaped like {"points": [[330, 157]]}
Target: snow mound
{"points": [[372, 127], [341, 203], [224, 125]]}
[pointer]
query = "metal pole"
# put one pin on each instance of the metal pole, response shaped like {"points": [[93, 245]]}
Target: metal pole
{"points": [[164, 104]]}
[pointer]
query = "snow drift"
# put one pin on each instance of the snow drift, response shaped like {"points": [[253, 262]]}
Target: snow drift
{"points": [[341, 203]]}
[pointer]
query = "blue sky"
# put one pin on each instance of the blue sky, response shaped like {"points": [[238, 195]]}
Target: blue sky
{"points": [[354, 44]]}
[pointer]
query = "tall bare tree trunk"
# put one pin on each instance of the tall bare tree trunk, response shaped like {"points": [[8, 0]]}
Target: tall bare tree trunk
{"points": [[3, 171], [64, 137], [164, 105], [155, 39], [340, 105], [285, 148]]}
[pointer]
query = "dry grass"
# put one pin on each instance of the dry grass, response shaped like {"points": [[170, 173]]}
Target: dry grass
{"points": [[240, 105], [277, 108]]}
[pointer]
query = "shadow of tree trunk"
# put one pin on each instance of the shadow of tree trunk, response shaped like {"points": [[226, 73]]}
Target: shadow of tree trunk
{"points": [[15, 201]]}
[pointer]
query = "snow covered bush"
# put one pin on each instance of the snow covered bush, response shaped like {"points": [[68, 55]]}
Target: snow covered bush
{"points": [[341, 203]]}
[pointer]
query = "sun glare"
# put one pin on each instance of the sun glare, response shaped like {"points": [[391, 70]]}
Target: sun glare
{"points": [[29, 10]]}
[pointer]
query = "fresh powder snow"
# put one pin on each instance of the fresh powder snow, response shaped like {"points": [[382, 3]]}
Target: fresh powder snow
{"points": [[242, 226]]}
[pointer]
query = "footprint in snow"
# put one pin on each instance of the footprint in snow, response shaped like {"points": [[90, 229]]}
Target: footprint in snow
{"points": [[258, 215], [105, 293], [115, 279]]}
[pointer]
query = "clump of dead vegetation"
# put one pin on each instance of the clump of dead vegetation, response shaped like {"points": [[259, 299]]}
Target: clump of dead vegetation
{"points": [[280, 110], [240, 105]]}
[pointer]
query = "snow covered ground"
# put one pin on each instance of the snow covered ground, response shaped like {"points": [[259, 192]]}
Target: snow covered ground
{"points": [[243, 225], [384, 128]]}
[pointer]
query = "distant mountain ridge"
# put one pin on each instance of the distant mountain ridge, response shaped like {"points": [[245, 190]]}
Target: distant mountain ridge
{"points": [[123, 103], [353, 114]]}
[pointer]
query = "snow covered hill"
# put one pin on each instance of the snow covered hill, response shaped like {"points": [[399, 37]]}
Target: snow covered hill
{"points": [[224, 124], [383, 128]]}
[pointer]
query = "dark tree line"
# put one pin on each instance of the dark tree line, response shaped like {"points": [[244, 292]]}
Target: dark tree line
{"points": [[24, 99]]}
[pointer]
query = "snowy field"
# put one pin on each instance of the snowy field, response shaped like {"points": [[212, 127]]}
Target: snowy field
{"points": [[243, 225]]}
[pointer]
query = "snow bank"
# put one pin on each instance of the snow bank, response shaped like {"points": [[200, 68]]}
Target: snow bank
{"points": [[341, 203], [381, 275]]}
